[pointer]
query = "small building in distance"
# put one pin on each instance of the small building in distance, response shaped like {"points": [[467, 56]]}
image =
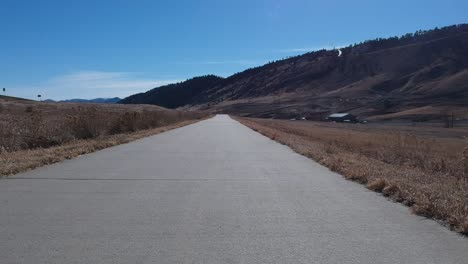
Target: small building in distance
{"points": [[342, 117]]}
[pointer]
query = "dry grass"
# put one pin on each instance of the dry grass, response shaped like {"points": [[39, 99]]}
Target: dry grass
{"points": [[34, 134], [377, 185], [23, 160], [465, 161], [29, 125], [429, 174]]}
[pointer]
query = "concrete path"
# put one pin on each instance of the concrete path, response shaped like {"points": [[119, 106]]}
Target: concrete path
{"points": [[212, 192]]}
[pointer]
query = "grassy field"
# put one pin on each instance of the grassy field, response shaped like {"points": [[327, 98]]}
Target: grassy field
{"points": [[33, 134], [425, 168]]}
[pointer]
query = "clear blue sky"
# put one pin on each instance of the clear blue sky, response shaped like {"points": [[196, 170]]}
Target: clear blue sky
{"points": [[96, 48]]}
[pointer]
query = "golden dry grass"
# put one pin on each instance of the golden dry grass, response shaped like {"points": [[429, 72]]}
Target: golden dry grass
{"points": [[23, 160], [34, 134], [429, 174], [465, 161], [29, 125]]}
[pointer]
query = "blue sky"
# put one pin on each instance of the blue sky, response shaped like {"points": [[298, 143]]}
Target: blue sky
{"points": [[86, 49]]}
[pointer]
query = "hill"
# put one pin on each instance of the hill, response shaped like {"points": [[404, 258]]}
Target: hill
{"points": [[179, 94], [373, 78], [13, 99], [96, 100]]}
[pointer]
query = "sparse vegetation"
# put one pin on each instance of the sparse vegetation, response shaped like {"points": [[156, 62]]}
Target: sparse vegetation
{"points": [[23, 160], [415, 77], [427, 173], [465, 162], [34, 134]]}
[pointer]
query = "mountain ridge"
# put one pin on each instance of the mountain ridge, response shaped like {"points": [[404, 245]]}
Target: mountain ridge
{"points": [[112, 100], [371, 78]]}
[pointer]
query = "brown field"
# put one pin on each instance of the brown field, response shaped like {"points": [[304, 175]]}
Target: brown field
{"points": [[426, 168], [33, 134]]}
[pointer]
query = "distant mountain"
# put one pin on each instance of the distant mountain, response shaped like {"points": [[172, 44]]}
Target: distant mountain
{"points": [[96, 100], [421, 70]]}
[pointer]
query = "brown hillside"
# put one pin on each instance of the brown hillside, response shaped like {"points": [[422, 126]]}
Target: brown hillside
{"points": [[382, 76]]}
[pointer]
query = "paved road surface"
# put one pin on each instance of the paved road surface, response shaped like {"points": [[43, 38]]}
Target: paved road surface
{"points": [[212, 192]]}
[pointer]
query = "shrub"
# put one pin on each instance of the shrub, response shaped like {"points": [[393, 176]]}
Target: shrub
{"points": [[23, 126], [87, 123], [377, 185], [128, 122]]}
